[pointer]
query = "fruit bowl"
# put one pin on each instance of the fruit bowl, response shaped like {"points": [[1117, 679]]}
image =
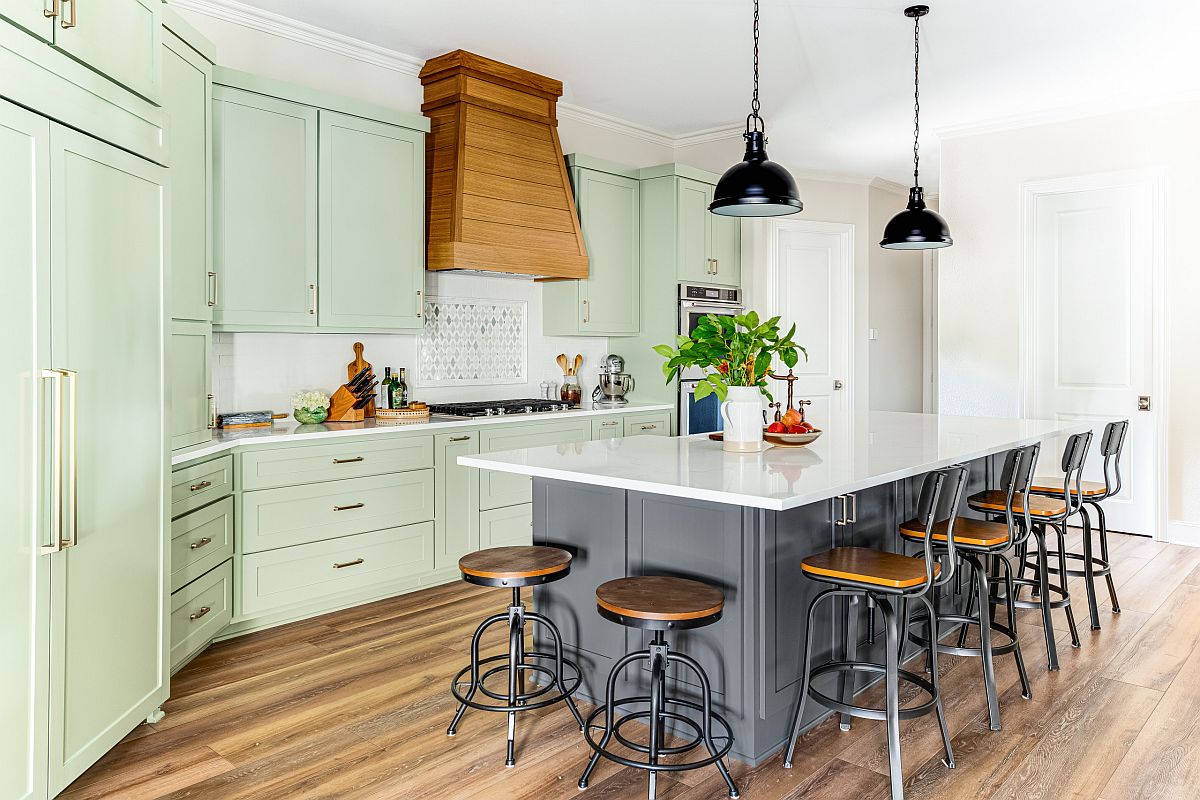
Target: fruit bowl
{"points": [[792, 439]]}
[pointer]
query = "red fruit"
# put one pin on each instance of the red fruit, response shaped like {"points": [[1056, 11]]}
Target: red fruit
{"points": [[776, 427], [795, 429], [807, 427]]}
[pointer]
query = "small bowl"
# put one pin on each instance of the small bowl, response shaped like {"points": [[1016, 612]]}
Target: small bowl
{"points": [[792, 439]]}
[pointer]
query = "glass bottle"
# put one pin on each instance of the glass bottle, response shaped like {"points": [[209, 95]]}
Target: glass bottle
{"points": [[399, 391], [385, 389]]}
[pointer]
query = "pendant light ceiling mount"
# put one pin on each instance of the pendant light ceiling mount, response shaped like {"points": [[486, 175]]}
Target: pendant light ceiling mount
{"points": [[916, 227], [756, 187]]}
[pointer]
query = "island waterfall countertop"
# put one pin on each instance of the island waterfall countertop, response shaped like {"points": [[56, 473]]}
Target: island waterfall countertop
{"points": [[880, 447]]}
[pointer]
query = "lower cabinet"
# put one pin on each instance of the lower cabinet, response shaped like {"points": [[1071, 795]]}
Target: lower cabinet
{"points": [[503, 527], [607, 427], [654, 423], [502, 489], [456, 517], [200, 541], [199, 611]]}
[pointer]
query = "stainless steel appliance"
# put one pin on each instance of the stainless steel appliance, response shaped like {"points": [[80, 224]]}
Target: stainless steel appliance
{"points": [[495, 408], [695, 302], [613, 383]]}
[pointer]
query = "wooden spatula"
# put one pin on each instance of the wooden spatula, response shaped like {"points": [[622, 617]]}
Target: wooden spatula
{"points": [[562, 363], [578, 364]]}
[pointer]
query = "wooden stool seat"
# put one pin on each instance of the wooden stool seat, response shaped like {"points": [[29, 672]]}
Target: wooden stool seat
{"points": [[1049, 486], [515, 566], [967, 532], [1038, 506], [660, 601], [866, 565]]}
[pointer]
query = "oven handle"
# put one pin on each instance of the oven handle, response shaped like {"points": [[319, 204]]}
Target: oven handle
{"points": [[714, 305]]}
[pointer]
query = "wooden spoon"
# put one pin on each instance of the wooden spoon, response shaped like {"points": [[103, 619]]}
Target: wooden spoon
{"points": [[562, 363], [578, 364]]}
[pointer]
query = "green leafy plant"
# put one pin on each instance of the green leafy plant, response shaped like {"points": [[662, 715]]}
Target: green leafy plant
{"points": [[738, 350]]}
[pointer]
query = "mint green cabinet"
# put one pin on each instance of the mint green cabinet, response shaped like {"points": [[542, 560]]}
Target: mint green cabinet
{"points": [[108, 662], [265, 196], [649, 423], [187, 99], [30, 15], [506, 527], [199, 611], [189, 382], [677, 226], [499, 489], [607, 427], [372, 224], [725, 246], [121, 39], [456, 519], [608, 301], [200, 541]]}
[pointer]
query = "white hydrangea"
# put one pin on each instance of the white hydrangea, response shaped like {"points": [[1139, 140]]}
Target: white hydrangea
{"points": [[314, 398]]}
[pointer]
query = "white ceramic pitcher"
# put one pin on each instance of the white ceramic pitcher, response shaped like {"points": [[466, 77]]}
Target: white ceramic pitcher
{"points": [[742, 412]]}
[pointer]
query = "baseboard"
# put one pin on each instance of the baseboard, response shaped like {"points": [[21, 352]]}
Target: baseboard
{"points": [[1183, 532]]}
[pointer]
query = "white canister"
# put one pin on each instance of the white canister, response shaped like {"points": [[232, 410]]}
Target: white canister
{"points": [[742, 412]]}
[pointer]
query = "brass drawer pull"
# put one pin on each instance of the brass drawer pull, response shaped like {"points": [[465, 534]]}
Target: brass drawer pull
{"points": [[53, 10], [74, 14], [199, 544], [610, 424], [460, 438], [203, 610], [195, 487], [349, 507], [353, 563], [347, 460], [649, 427]]}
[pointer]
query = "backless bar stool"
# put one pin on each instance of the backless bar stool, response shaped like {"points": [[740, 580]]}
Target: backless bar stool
{"points": [[884, 579], [984, 546], [1112, 443], [515, 567], [660, 603], [1044, 512]]}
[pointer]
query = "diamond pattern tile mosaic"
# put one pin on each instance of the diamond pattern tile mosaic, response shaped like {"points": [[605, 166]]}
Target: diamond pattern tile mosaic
{"points": [[470, 342]]}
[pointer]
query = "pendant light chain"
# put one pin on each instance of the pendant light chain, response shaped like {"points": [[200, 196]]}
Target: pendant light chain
{"points": [[754, 104], [916, 100]]}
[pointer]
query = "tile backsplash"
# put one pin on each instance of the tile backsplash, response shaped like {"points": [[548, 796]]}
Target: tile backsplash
{"points": [[484, 343]]}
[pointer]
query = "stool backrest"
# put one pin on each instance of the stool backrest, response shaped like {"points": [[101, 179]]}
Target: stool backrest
{"points": [[1016, 480], [941, 497], [1074, 454], [1112, 444]]}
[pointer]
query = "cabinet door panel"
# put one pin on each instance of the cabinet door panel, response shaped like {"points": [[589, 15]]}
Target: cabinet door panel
{"points": [[607, 428], [506, 527], [499, 489], [107, 656], [657, 423], [31, 15], [199, 611], [693, 231], [187, 99], [24, 574], [610, 216], [121, 39], [265, 195], [726, 249], [372, 261], [189, 376], [457, 504]]}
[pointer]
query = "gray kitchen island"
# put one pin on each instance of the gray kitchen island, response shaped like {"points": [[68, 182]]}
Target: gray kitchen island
{"points": [[649, 505]]}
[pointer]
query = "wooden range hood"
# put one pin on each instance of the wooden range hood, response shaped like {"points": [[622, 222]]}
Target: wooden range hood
{"points": [[499, 198]]}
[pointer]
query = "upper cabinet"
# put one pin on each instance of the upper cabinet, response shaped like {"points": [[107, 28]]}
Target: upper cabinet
{"points": [[121, 39], [293, 168], [608, 301], [705, 247]]}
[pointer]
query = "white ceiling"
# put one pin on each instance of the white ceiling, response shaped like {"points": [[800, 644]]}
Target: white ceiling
{"points": [[837, 76]]}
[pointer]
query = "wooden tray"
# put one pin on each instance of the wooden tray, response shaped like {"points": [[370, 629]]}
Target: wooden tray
{"points": [[779, 439], [398, 414]]}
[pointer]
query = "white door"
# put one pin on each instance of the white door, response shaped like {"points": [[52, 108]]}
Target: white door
{"points": [[1091, 252], [809, 283]]}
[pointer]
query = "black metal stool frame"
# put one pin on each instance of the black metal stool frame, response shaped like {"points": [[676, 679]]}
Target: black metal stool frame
{"points": [[660, 656], [516, 666], [884, 598]]}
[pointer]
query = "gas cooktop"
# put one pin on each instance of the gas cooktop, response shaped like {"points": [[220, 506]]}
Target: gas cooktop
{"points": [[494, 408]]}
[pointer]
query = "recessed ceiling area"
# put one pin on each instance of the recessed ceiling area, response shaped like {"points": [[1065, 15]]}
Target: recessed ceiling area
{"points": [[837, 76]]}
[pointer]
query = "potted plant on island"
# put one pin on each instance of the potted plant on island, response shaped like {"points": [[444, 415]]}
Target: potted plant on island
{"points": [[736, 353]]}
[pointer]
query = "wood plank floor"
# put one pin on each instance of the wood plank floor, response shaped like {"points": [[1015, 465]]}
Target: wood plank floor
{"points": [[355, 704]]}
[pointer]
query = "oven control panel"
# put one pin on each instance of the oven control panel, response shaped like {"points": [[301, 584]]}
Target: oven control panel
{"points": [[689, 291]]}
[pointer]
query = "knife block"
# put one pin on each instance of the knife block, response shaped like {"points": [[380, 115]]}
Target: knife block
{"points": [[352, 369], [341, 407]]}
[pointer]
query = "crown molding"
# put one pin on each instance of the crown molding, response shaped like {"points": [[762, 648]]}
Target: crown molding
{"points": [[889, 186], [710, 135], [303, 33], [615, 124], [1063, 114]]}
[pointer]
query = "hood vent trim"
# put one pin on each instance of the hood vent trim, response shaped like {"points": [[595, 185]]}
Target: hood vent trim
{"points": [[499, 197]]}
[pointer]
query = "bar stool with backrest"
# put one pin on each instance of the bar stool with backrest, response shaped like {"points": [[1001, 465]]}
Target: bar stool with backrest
{"points": [[983, 546], [515, 568], [1112, 444], [659, 603], [1043, 512], [883, 580]]}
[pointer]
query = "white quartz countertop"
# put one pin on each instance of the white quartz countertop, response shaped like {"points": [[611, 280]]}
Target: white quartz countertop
{"points": [[292, 431], [880, 447]]}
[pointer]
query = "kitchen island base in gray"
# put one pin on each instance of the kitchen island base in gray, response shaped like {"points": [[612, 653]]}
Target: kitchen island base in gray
{"points": [[753, 654]]}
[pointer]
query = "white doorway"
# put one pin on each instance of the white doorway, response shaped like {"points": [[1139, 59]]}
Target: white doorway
{"points": [[810, 282], [1092, 278]]}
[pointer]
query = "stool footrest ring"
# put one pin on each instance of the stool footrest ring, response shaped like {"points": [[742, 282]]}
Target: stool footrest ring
{"points": [[569, 685], [723, 733], [867, 712], [1100, 567]]}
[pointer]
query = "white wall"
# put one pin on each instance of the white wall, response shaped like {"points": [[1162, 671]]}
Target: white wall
{"points": [[979, 278]]}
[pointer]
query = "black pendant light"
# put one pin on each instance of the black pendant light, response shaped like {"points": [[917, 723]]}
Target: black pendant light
{"points": [[756, 187], [916, 227]]}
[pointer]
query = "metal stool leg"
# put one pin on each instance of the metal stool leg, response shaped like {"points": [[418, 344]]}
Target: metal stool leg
{"points": [[1061, 531], [706, 727], [657, 674], [1089, 569], [1010, 596], [556, 635], [1102, 523], [805, 678], [985, 644], [846, 680], [462, 708], [1043, 577], [609, 696], [971, 598], [516, 645], [937, 687], [892, 689]]}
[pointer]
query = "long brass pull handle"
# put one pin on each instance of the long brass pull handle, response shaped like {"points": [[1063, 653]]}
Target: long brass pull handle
{"points": [[56, 501], [312, 309], [460, 438], [350, 507], [212, 413], [716, 266], [344, 564], [212, 289], [841, 521], [53, 12], [74, 14], [420, 304], [347, 460], [608, 424], [203, 610], [587, 311], [197, 545], [72, 518], [195, 487], [853, 508]]}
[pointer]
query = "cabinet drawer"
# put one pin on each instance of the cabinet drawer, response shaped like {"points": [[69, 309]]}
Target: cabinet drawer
{"points": [[653, 424], [294, 515], [310, 572], [504, 527], [607, 427], [200, 541], [192, 487], [500, 489], [199, 611], [266, 469]]}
